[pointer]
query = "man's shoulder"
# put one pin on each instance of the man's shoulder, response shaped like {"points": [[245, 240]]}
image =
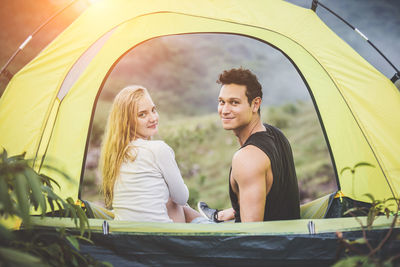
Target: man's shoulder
{"points": [[269, 140], [250, 157], [262, 138], [248, 150]]}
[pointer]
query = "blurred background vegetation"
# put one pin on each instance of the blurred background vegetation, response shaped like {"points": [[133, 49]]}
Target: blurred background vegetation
{"points": [[204, 150], [180, 72]]}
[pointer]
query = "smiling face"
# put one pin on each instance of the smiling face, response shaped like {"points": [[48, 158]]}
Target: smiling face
{"points": [[147, 118], [234, 108]]}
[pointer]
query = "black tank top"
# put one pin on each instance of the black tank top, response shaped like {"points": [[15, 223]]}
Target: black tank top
{"points": [[282, 201]]}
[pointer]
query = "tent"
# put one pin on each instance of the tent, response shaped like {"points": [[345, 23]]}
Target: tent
{"points": [[47, 108], [53, 97]]}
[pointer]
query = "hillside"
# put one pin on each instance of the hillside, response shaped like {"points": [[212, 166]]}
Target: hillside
{"points": [[204, 150], [173, 65]]}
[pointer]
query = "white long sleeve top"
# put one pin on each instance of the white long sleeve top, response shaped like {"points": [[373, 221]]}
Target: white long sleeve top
{"points": [[144, 186]]}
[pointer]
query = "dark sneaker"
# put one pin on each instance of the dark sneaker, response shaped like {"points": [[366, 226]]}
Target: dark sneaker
{"points": [[207, 212]]}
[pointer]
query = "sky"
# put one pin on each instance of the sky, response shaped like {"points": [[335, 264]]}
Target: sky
{"points": [[378, 20]]}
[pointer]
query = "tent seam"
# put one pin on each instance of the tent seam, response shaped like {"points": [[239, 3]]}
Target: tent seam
{"points": [[53, 100]]}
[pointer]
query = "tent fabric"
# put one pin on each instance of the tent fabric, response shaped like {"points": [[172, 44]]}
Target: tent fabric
{"points": [[315, 209], [47, 107], [81, 64], [128, 250], [284, 243], [93, 210], [237, 250], [287, 227]]}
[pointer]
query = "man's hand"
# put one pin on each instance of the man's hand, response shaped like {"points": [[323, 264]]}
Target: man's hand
{"points": [[226, 215]]}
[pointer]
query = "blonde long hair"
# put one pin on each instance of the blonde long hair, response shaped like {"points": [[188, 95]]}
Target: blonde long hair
{"points": [[120, 131]]}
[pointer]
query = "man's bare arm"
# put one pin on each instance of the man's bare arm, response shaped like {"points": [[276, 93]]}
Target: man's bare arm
{"points": [[249, 170]]}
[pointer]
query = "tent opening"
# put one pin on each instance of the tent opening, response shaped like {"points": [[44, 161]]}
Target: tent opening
{"points": [[180, 72]]}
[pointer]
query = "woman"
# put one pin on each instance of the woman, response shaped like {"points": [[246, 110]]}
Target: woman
{"points": [[141, 180]]}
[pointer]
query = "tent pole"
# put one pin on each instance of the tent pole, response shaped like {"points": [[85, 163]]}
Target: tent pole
{"points": [[396, 80], [22, 46], [315, 3]]}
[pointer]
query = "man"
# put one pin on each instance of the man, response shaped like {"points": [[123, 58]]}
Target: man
{"points": [[262, 181]]}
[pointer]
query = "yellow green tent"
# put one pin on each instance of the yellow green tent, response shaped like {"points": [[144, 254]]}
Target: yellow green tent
{"points": [[46, 109]]}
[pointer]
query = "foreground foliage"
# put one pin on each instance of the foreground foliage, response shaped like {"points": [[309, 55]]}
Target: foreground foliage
{"points": [[362, 252], [22, 190]]}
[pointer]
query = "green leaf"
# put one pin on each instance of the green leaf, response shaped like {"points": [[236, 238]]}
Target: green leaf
{"points": [[70, 201], [53, 197], [351, 210], [352, 261], [48, 181], [17, 257], [82, 219], [105, 263], [70, 212], [50, 193], [21, 192], [49, 167], [74, 261], [77, 208], [4, 155], [358, 241], [50, 201], [390, 199], [5, 233], [60, 207], [387, 263], [82, 225], [370, 197], [5, 198], [54, 254], [85, 239], [344, 169], [36, 187], [62, 231], [75, 256], [371, 217], [363, 164], [73, 241]]}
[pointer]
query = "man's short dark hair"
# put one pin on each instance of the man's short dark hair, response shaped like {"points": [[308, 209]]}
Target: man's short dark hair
{"points": [[242, 77]]}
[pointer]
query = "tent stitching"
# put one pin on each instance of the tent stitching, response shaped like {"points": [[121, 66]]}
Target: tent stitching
{"points": [[54, 99], [51, 134]]}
